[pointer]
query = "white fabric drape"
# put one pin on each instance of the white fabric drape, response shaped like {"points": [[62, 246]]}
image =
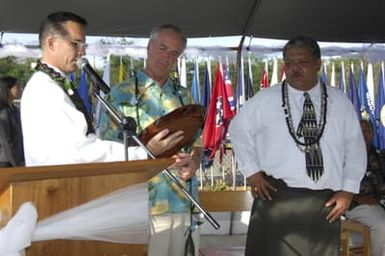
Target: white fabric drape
{"points": [[16, 236], [120, 217]]}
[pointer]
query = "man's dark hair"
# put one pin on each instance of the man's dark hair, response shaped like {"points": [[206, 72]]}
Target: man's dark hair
{"points": [[303, 42], [157, 29], [53, 24], [6, 83]]}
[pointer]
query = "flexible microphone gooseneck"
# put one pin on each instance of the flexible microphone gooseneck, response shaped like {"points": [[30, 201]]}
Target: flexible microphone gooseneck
{"points": [[98, 82]]}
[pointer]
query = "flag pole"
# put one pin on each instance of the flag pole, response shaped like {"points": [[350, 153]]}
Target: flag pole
{"points": [[212, 175], [233, 169], [201, 176]]}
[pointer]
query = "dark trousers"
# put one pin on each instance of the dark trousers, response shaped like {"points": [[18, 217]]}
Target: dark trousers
{"points": [[292, 223]]}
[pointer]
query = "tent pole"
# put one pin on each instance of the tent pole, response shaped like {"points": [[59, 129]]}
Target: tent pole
{"points": [[1, 38], [239, 50], [244, 32]]}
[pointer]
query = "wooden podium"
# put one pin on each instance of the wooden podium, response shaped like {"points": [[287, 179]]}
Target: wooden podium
{"points": [[53, 189]]}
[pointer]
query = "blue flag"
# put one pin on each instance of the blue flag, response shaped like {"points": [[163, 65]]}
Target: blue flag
{"points": [[364, 98], [342, 85], [352, 94], [206, 90], [83, 91], [72, 77], [324, 76], [229, 89], [379, 131], [195, 84]]}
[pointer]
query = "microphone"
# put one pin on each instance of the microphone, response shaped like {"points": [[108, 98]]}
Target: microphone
{"points": [[83, 64]]}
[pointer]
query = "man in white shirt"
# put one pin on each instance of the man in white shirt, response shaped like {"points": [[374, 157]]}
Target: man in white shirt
{"points": [[56, 127], [300, 145]]}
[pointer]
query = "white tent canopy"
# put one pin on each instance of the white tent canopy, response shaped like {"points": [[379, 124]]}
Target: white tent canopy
{"points": [[327, 20]]}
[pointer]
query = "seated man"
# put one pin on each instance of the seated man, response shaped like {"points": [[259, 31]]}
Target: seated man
{"points": [[365, 207]]}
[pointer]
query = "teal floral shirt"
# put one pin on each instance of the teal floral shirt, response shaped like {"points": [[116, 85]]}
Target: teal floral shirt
{"points": [[147, 102]]}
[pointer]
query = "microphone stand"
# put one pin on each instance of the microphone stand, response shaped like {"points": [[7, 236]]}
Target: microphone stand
{"points": [[129, 132]]}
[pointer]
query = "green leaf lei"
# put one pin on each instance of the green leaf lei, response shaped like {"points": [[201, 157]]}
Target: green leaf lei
{"points": [[70, 90]]}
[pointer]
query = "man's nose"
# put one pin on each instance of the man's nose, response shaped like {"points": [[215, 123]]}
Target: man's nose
{"points": [[294, 67], [170, 55]]}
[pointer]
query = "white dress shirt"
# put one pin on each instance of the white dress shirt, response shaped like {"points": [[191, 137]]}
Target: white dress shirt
{"points": [[55, 131], [262, 141]]}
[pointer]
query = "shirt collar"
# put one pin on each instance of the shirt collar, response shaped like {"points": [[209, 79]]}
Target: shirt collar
{"points": [[313, 92], [147, 81]]}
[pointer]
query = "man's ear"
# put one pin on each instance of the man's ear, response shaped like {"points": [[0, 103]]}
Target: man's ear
{"points": [[50, 43]]}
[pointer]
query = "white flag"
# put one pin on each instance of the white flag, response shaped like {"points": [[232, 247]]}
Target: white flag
{"points": [[283, 72], [250, 70], [240, 85], [209, 69], [370, 82], [333, 76], [183, 73]]}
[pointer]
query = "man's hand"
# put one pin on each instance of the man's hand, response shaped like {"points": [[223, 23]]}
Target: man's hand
{"points": [[260, 187], [341, 201], [187, 164], [164, 141]]}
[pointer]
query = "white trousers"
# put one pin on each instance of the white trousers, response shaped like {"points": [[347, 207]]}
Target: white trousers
{"points": [[372, 216], [169, 233]]}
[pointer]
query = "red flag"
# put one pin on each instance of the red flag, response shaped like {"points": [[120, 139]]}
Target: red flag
{"points": [[218, 116], [264, 80]]}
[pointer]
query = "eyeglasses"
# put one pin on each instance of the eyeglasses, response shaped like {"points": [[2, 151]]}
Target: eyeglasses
{"points": [[78, 45], [75, 43]]}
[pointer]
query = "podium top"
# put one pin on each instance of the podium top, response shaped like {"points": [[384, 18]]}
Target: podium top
{"points": [[15, 174]]}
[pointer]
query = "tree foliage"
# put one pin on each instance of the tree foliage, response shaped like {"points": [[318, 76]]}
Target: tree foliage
{"points": [[21, 69]]}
